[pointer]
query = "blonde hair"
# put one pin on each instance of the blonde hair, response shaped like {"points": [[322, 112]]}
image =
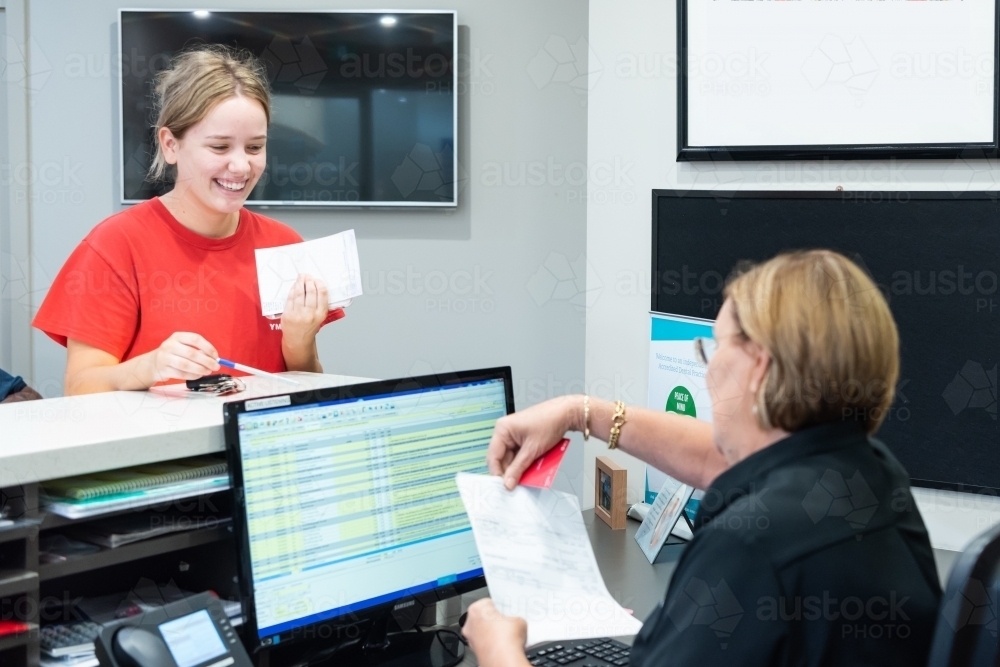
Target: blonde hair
{"points": [[832, 339], [195, 82]]}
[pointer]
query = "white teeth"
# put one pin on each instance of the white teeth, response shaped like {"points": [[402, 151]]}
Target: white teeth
{"points": [[232, 187]]}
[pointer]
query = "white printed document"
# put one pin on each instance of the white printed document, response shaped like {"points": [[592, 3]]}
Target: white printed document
{"points": [[539, 563], [333, 259]]}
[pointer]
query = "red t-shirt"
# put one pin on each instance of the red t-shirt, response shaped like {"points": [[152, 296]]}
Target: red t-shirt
{"points": [[140, 276]]}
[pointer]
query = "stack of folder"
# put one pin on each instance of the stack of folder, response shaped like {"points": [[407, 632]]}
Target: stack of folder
{"points": [[133, 488]]}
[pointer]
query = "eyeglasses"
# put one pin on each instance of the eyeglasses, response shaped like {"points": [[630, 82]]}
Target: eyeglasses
{"points": [[704, 348]]}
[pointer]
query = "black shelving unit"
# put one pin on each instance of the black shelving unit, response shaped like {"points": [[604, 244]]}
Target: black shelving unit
{"points": [[21, 648], [19, 586], [131, 552], [43, 593]]}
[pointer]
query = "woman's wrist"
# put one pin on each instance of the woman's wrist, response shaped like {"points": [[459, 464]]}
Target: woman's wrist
{"points": [[576, 417], [140, 372], [300, 356], [595, 415], [136, 374]]}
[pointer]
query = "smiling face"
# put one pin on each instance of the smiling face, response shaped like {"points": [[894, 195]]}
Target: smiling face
{"points": [[219, 159]]}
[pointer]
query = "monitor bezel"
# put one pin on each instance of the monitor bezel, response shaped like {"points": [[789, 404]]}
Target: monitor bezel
{"points": [[281, 203], [334, 625]]}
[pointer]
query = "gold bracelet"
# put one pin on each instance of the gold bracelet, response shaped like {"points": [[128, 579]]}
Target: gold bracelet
{"points": [[586, 418], [617, 421]]}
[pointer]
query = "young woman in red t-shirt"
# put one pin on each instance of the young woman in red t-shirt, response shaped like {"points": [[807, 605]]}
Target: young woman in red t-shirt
{"points": [[162, 290]]}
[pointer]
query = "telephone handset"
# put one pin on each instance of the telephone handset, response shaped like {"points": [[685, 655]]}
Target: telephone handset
{"points": [[193, 632]]}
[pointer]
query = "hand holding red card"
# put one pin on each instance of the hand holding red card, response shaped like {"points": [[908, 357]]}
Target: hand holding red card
{"points": [[542, 472]]}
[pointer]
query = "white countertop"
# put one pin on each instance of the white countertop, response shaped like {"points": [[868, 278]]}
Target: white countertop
{"points": [[62, 437]]}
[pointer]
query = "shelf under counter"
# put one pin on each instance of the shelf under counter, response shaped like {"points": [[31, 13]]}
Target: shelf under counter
{"points": [[135, 551], [20, 530], [17, 582]]}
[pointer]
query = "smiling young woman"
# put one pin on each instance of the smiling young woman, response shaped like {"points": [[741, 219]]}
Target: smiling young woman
{"points": [[160, 291]]}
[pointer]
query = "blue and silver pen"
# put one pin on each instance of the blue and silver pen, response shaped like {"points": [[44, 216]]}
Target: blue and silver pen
{"points": [[254, 371]]}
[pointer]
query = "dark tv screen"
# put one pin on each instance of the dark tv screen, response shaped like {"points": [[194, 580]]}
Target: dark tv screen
{"points": [[934, 256], [363, 103]]}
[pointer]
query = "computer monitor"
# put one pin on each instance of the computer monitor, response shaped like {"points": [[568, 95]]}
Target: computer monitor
{"points": [[345, 499]]}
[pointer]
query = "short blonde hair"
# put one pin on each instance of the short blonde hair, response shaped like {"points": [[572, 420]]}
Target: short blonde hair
{"points": [[832, 339], [195, 82]]}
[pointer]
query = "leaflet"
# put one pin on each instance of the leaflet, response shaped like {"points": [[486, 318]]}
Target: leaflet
{"points": [[539, 562], [662, 518], [333, 259]]}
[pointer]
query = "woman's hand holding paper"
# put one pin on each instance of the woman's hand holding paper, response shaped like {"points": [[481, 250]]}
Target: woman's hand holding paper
{"points": [[305, 311], [497, 640]]}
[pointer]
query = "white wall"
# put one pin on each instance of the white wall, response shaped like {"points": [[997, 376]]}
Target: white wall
{"points": [[543, 185], [633, 123], [505, 308], [5, 347]]}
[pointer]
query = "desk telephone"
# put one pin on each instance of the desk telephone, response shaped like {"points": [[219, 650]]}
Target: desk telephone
{"points": [[193, 632]]}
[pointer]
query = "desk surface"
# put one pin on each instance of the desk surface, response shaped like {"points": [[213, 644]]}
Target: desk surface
{"points": [[635, 583], [630, 579], [76, 435]]}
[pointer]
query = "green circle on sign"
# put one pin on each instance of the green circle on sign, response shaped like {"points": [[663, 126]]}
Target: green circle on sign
{"points": [[680, 401]]}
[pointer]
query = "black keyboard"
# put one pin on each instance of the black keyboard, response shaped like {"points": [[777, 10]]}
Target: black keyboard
{"points": [[590, 653]]}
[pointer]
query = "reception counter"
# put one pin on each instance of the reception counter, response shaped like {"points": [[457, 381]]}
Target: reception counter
{"points": [[62, 437]]}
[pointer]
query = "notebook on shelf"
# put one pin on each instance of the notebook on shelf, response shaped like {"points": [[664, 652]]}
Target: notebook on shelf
{"points": [[81, 509], [137, 478]]}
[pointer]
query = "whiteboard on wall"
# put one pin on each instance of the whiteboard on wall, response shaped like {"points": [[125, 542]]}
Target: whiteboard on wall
{"points": [[837, 78]]}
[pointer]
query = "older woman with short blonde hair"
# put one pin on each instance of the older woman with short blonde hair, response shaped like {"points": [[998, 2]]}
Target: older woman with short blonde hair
{"points": [[808, 548]]}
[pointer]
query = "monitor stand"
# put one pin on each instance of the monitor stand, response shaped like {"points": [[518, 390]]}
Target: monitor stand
{"points": [[381, 648], [411, 649]]}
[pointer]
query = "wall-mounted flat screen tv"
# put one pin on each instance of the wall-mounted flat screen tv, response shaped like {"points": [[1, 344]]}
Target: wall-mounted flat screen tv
{"points": [[363, 107]]}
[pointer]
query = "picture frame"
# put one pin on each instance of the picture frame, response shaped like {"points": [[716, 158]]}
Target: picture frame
{"points": [[690, 149], [610, 485]]}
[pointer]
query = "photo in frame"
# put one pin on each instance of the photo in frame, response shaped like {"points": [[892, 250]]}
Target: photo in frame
{"points": [[609, 492]]}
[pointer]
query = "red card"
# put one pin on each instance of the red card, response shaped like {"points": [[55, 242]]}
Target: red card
{"points": [[542, 472]]}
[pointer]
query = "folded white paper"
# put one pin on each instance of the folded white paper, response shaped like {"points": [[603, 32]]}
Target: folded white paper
{"points": [[333, 259], [539, 562]]}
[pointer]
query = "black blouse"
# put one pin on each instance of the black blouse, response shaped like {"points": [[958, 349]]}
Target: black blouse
{"points": [[808, 552]]}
